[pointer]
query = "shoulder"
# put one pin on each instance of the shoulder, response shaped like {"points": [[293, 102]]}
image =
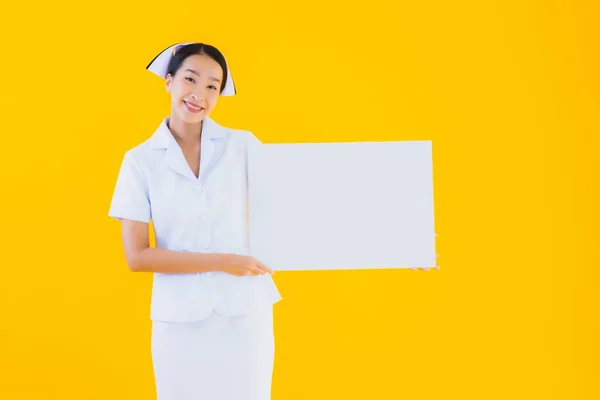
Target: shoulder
{"points": [[139, 155], [145, 152], [240, 138], [245, 137], [140, 150], [136, 161]]}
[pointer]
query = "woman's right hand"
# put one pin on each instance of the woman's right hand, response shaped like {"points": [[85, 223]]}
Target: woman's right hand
{"points": [[239, 265]]}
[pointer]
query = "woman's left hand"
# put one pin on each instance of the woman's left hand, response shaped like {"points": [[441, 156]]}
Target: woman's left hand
{"points": [[437, 267]]}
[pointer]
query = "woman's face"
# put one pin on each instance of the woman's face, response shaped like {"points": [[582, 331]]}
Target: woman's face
{"points": [[195, 88]]}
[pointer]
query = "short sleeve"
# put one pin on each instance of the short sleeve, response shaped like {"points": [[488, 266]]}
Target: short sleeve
{"points": [[131, 198]]}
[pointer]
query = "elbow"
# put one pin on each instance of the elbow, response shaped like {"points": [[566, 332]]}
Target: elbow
{"points": [[134, 267], [135, 262]]}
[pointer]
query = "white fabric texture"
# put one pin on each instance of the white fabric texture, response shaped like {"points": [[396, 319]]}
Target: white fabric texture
{"points": [[205, 214], [219, 358]]}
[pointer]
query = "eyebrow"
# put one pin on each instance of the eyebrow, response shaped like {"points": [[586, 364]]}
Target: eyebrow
{"points": [[196, 73]]}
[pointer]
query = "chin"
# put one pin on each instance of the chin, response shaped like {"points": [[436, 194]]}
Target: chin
{"points": [[195, 120], [191, 119]]}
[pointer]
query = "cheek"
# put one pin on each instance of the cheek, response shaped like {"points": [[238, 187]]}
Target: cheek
{"points": [[178, 92], [213, 99], [176, 102]]}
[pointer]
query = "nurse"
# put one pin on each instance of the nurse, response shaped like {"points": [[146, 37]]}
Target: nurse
{"points": [[212, 303]]}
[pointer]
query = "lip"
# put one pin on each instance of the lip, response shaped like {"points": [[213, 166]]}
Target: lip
{"points": [[193, 108]]}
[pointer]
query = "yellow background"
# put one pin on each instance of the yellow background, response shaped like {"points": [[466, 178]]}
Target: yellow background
{"points": [[507, 90]]}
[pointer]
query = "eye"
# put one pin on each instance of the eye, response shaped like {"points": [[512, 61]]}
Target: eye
{"points": [[212, 87], [190, 79]]}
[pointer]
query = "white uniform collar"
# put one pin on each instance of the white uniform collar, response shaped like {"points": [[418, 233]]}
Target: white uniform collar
{"points": [[163, 138]]}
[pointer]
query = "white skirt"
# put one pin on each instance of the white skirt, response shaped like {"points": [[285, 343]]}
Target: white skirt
{"points": [[219, 358]]}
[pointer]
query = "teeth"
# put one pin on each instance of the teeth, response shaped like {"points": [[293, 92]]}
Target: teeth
{"points": [[193, 107]]}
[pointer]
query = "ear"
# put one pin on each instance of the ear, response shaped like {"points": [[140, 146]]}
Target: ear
{"points": [[168, 82]]}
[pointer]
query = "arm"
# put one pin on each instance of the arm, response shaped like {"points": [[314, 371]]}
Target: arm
{"points": [[141, 257]]}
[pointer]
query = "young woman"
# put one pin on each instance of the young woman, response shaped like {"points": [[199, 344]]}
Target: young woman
{"points": [[211, 311]]}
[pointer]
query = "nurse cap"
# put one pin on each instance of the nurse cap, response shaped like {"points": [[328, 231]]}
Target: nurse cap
{"points": [[160, 64]]}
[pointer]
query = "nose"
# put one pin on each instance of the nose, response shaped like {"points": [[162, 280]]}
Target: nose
{"points": [[199, 94]]}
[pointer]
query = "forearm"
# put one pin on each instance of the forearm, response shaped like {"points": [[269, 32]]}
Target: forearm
{"points": [[175, 262]]}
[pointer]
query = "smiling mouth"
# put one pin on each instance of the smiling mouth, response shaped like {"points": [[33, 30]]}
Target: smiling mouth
{"points": [[192, 107]]}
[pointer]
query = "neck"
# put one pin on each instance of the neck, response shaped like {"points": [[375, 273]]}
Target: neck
{"points": [[185, 133]]}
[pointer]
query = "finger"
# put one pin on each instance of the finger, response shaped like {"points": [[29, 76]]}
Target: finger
{"points": [[265, 268], [262, 269], [254, 270], [250, 269]]}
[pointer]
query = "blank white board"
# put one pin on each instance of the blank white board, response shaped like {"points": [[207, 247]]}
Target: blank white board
{"points": [[340, 206]]}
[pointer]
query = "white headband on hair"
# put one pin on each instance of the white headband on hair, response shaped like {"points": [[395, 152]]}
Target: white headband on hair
{"points": [[160, 64]]}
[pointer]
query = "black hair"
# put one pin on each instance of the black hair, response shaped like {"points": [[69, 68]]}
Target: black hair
{"points": [[184, 51]]}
